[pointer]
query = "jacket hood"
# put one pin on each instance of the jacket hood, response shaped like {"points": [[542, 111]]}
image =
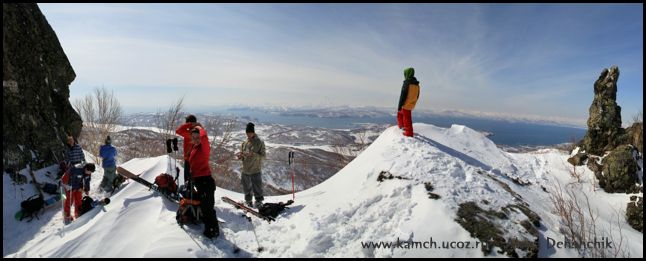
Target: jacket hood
{"points": [[409, 73]]}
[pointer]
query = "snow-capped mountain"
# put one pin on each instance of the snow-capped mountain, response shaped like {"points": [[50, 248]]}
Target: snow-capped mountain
{"points": [[451, 186]]}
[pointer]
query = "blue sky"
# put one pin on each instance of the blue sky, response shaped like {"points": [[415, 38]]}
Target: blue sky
{"points": [[524, 59]]}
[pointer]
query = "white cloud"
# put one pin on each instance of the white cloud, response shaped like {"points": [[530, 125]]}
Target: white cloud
{"points": [[243, 55]]}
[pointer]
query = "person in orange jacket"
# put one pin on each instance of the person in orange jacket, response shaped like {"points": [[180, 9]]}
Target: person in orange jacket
{"points": [[184, 130], [407, 100], [75, 181], [199, 156]]}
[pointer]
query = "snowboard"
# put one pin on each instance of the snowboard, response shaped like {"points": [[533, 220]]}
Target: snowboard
{"points": [[124, 172], [247, 210]]}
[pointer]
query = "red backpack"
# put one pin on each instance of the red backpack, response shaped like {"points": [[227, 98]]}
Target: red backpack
{"points": [[166, 183]]}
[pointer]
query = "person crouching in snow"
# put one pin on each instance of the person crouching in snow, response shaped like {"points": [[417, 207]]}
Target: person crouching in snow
{"points": [[407, 100], [76, 180]]}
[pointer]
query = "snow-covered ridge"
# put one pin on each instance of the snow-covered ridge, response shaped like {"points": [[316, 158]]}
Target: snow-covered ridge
{"points": [[352, 207]]}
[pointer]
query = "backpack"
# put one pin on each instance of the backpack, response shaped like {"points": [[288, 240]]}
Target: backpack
{"points": [[273, 209], [31, 206], [50, 188], [117, 181], [189, 212], [166, 183], [86, 205]]}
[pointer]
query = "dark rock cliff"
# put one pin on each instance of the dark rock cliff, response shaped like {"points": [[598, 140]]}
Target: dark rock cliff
{"points": [[37, 114]]}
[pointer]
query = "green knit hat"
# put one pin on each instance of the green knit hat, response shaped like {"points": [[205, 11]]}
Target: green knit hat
{"points": [[409, 73]]}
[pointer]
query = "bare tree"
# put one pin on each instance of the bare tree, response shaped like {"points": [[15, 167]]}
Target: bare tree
{"points": [[638, 117], [139, 144], [343, 150], [101, 113], [576, 175], [579, 223], [169, 120], [362, 140], [223, 149]]}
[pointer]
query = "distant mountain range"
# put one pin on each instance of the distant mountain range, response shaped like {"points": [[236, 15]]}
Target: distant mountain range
{"points": [[369, 111]]}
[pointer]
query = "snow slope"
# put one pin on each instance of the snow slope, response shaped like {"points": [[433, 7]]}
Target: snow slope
{"points": [[334, 218]]}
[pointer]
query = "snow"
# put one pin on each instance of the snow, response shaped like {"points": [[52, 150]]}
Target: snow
{"points": [[333, 218]]}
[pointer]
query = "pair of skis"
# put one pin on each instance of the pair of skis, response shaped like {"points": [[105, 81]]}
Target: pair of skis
{"points": [[246, 209], [124, 172]]}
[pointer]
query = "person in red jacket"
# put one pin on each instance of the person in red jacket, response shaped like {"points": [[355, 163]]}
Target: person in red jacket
{"points": [[184, 130], [199, 156]]}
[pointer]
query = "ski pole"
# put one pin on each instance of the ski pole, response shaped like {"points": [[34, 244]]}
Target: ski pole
{"points": [[62, 198], [254, 232], [290, 160]]}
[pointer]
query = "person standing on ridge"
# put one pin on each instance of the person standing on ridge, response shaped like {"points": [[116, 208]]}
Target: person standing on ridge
{"points": [[407, 100], [74, 153], [200, 173], [184, 130], [252, 152], [108, 153]]}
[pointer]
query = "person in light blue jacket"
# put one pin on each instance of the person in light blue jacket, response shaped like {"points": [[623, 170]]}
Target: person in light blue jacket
{"points": [[108, 153]]}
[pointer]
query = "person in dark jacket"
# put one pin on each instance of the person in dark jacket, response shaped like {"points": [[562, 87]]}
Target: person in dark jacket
{"points": [[201, 177], [74, 153], [407, 101], [76, 181]]}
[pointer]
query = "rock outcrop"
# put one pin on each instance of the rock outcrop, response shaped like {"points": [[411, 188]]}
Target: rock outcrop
{"points": [[604, 122], [37, 114], [578, 159], [606, 137], [635, 135], [619, 170], [635, 213]]}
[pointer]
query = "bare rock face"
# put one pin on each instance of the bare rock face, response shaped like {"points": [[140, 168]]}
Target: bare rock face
{"points": [[37, 114], [620, 171], [604, 123], [635, 213], [635, 135]]}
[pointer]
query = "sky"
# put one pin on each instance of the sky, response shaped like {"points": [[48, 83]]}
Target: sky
{"points": [[516, 59]]}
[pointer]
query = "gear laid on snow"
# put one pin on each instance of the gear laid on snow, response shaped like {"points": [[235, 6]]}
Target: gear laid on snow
{"points": [[88, 204], [243, 207], [146, 183]]}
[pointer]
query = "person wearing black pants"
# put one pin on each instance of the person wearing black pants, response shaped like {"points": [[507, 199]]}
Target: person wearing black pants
{"points": [[205, 186], [202, 179]]}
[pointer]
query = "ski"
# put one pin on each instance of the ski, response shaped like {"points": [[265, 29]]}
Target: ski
{"points": [[123, 172], [241, 206]]}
